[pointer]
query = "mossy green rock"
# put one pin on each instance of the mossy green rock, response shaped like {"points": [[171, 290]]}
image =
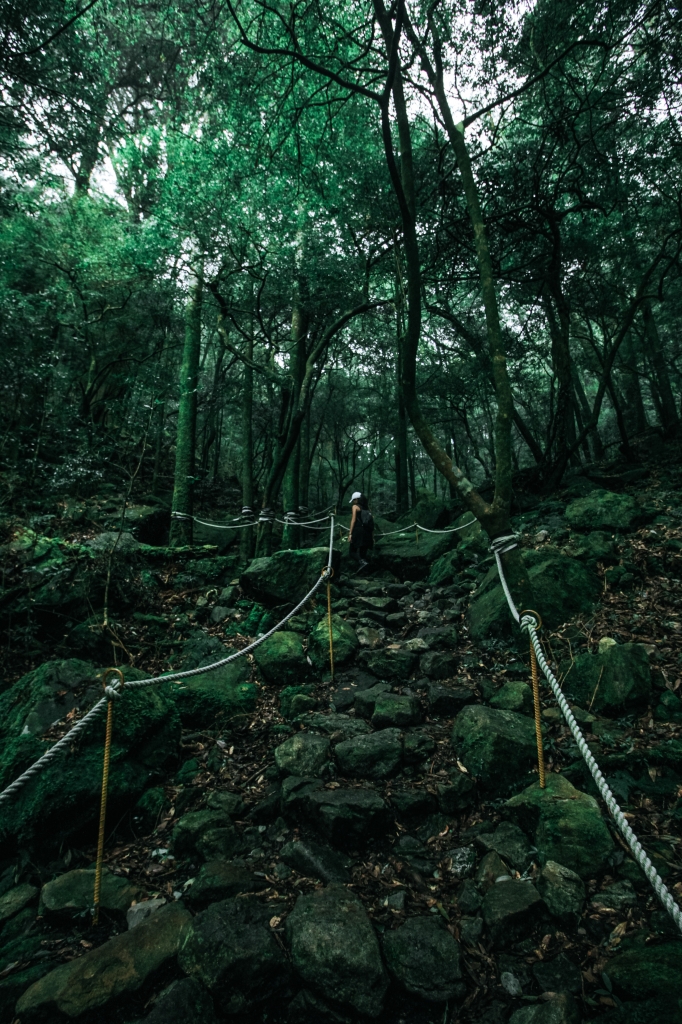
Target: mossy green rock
{"points": [[618, 678], [444, 570], [287, 695], [375, 756], [192, 827], [63, 800], [218, 698], [281, 659], [344, 639], [72, 893], [566, 824], [42, 697], [305, 753], [602, 510], [111, 972], [287, 575], [14, 901], [497, 746], [562, 586], [17, 983], [424, 958], [409, 559], [390, 663], [646, 971], [514, 696], [597, 546]]}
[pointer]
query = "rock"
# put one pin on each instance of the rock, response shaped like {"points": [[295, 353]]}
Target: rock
{"points": [[463, 860], [340, 726], [287, 697], [376, 756], [366, 699], [618, 678], [562, 1009], [376, 604], [563, 587], [43, 697], [469, 898], [62, 801], [423, 957], [394, 709], [287, 575], [558, 975], [344, 638], [417, 746], [13, 901], [185, 1001], [563, 892], [602, 510], [220, 880], [514, 696], [439, 636], [315, 861], [389, 663], [72, 893], [304, 753], [215, 843], [138, 913], [511, 984], [595, 547], [447, 701], [416, 854], [231, 949], [123, 543], [111, 972], [669, 709], [618, 896], [491, 868], [471, 929], [566, 824], [217, 698], [410, 803], [227, 803], [644, 972], [445, 569], [149, 808], [509, 841], [190, 828], [456, 796], [396, 620], [281, 659], [346, 817], [511, 910], [335, 951], [405, 558], [497, 746], [437, 665]]}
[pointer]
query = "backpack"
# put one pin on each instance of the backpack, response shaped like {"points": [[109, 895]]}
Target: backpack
{"points": [[367, 519]]}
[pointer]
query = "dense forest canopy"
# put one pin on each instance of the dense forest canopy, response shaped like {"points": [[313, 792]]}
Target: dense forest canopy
{"points": [[260, 253]]}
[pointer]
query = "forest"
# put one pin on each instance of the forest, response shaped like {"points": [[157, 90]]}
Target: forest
{"points": [[259, 258]]}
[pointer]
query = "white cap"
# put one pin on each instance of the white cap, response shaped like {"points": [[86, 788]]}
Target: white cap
{"points": [[354, 495]]}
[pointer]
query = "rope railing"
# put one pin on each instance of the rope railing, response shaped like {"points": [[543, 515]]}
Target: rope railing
{"points": [[115, 691], [266, 515], [529, 622]]}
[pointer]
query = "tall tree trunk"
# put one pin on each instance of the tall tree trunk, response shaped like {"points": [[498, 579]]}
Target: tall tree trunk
{"points": [[586, 414], [158, 444], [670, 421], [248, 540], [181, 529], [635, 414]]}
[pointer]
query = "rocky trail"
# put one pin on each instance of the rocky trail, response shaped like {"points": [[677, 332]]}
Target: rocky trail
{"points": [[287, 847]]}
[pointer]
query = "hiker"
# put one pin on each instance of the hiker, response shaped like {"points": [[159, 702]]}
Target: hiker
{"points": [[361, 532]]}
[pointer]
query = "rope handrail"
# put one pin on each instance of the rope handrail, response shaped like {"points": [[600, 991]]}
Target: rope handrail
{"points": [[425, 529], [114, 691], [529, 624], [266, 515]]}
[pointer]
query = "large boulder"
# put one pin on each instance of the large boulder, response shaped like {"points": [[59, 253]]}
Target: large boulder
{"points": [[72, 893], [616, 679], [335, 951], [410, 558], [566, 824], [281, 659], [231, 948], [602, 510], [219, 698], [109, 973], [344, 639], [424, 958], [562, 587], [287, 575], [62, 801], [497, 746], [376, 756]]}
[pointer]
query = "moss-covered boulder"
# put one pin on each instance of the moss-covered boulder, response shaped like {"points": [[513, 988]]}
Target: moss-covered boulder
{"points": [[409, 555], [304, 753], [514, 696], [562, 586], [616, 679], [281, 659], [497, 746], [597, 546], [444, 570], [72, 893], [566, 824], [219, 698], [344, 639], [287, 575], [602, 510], [46, 695], [648, 971]]}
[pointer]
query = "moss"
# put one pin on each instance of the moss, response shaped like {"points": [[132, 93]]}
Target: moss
{"points": [[281, 660], [344, 638]]}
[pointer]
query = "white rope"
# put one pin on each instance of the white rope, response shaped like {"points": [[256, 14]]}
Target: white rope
{"points": [[529, 624], [424, 529], [113, 691]]}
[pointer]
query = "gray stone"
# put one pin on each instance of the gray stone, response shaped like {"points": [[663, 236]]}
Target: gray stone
{"points": [[394, 663], [617, 678], [463, 861], [72, 893], [563, 892], [509, 841], [365, 700], [122, 543], [491, 868], [228, 803], [16, 899], [511, 910], [347, 817], [316, 861], [469, 898], [335, 951], [417, 746], [190, 828], [220, 842], [562, 1009], [232, 950], [447, 701], [219, 614], [497, 746], [456, 796], [423, 957], [410, 803], [393, 709], [185, 1001], [514, 696], [342, 726], [114, 970], [618, 896], [221, 880], [558, 975], [470, 930], [376, 756], [437, 665], [511, 984], [303, 754], [139, 912], [287, 575]]}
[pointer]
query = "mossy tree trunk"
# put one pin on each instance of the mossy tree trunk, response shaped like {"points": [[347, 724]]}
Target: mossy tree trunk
{"points": [[181, 529]]}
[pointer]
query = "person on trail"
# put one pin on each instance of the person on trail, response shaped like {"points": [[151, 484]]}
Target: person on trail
{"points": [[361, 532]]}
